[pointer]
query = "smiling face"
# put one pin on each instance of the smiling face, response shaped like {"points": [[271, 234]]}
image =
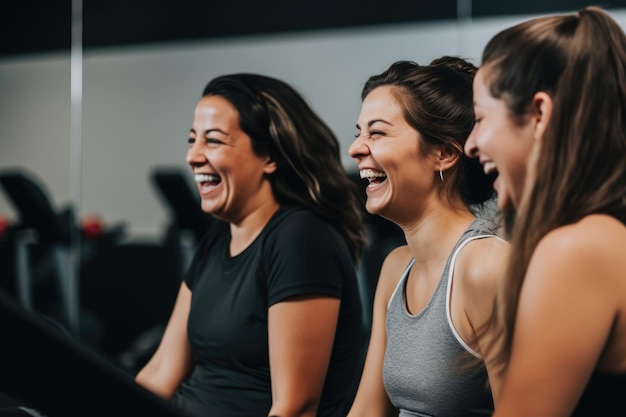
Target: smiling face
{"points": [[502, 143], [231, 177], [388, 152]]}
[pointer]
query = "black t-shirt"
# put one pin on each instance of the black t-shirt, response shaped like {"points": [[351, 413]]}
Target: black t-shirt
{"points": [[296, 253], [605, 395]]}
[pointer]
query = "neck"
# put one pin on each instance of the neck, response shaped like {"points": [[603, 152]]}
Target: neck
{"points": [[432, 237], [244, 232]]}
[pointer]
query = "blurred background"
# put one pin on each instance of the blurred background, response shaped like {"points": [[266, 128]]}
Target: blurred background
{"points": [[98, 215]]}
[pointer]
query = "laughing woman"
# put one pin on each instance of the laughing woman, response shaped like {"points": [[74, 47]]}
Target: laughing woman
{"points": [[436, 291], [550, 101], [268, 318]]}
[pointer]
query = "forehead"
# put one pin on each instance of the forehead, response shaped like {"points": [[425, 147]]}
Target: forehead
{"points": [[480, 86], [381, 103], [216, 110]]}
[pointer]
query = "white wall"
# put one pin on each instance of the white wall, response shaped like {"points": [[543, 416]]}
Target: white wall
{"points": [[138, 103]]}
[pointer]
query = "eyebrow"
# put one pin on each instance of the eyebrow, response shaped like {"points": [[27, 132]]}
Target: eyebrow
{"points": [[208, 131], [371, 122]]}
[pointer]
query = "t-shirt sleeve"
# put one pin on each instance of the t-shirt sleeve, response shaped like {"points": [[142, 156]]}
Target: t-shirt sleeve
{"points": [[306, 256]]}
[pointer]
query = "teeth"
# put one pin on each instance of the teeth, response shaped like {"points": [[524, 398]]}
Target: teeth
{"points": [[206, 178], [371, 174], [489, 167]]}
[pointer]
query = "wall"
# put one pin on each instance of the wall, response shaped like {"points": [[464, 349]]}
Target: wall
{"points": [[138, 103]]}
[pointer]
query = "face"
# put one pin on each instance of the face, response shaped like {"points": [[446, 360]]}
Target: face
{"points": [[230, 176], [387, 150], [502, 144]]}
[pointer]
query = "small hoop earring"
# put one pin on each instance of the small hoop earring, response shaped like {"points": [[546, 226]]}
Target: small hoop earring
{"points": [[441, 174]]}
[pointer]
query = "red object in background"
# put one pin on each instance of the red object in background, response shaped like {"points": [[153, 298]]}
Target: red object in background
{"points": [[4, 225], [92, 226]]}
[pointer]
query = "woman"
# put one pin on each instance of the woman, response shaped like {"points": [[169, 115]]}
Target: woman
{"points": [[433, 292], [268, 318], [550, 104]]}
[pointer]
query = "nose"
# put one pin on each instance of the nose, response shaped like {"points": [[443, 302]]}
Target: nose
{"points": [[195, 157], [471, 148], [358, 148]]}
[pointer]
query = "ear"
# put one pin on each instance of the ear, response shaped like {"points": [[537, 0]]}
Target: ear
{"points": [[541, 112], [446, 156], [270, 166]]}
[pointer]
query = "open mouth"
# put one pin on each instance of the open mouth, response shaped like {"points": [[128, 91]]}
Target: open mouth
{"points": [[491, 170], [373, 176], [207, 179]]}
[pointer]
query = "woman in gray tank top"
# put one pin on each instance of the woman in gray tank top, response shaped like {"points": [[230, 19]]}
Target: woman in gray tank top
{"points": [[425, 356]]}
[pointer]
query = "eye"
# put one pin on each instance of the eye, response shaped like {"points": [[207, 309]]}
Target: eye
{"points": [[376, 133], [191, 141], [213, 141]]}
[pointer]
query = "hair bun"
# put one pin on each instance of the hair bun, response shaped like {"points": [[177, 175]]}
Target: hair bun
{"points": [[456, 63]]}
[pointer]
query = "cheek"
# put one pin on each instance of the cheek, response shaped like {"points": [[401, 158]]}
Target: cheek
{"points": [[481, 137]]}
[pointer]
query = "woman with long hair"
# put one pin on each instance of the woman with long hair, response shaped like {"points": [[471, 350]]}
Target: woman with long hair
{"points": [[268, 318], [550, 105]]}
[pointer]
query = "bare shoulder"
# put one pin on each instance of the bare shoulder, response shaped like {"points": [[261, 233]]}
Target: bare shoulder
{"points": [[595, 231], [481, 264], [596, 244]]}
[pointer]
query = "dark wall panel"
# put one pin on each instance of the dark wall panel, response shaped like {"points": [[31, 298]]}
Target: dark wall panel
{"points": [[31, 26]]}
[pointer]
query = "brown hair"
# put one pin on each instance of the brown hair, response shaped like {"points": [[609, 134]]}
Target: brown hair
{"points": [[309, 171], [580, 61], [436, 100]]}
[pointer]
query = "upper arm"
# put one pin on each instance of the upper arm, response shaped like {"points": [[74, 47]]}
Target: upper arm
{"points": [[371, 398], [483, 265], [301, 332], [173, 359], [563, 321], [307, 279]]}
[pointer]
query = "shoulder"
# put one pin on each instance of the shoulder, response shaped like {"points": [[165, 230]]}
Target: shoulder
{"points": [[295, 220], [593, 232], [594, 245], [299, 233], [481, 264]]}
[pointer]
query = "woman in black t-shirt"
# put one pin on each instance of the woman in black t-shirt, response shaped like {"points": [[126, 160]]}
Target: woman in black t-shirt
{"points": [[268, 318]]}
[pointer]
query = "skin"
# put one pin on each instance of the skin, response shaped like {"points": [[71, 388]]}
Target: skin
{"points": [[498, 140], [387, 144], [571, 301], [300, 329]]}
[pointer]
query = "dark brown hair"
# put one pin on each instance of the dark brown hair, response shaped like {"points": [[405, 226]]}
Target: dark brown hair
{"points": [[580, 61], [437, 102], [309, 170]]}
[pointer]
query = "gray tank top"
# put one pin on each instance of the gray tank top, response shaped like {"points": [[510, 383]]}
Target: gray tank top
{"points": [[419, 371]]}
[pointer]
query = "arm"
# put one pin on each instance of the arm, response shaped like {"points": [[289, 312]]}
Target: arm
{"points": [[371, 397], [566, 311], [481, 267], [301, 331], [172, 361]]}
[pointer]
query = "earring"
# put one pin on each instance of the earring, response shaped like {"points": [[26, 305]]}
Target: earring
{"points": [[441, 174]]}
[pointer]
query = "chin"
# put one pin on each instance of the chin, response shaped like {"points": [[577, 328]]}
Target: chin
{"points": [[372, 209], [504, 202]]}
